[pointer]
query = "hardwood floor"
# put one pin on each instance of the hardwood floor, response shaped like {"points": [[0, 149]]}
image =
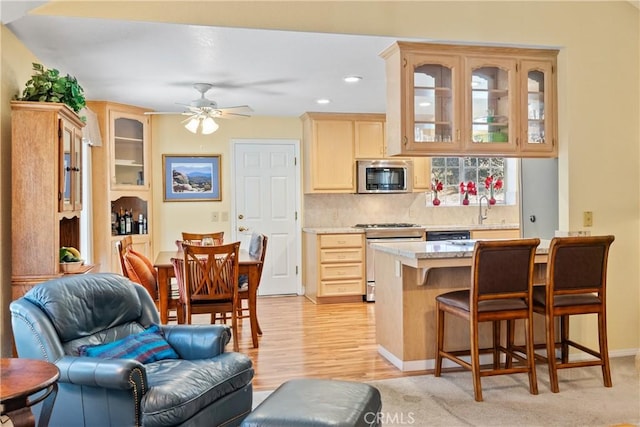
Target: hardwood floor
{"points": [[303, 339]]}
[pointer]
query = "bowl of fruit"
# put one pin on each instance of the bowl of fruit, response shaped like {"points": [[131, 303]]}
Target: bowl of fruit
{"points": [[70, 260]]}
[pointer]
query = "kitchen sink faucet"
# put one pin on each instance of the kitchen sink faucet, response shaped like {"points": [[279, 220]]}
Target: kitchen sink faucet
{"points": [[480, 216]]}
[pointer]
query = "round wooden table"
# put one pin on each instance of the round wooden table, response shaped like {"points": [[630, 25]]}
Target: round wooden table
{"points": [[21, 378]]}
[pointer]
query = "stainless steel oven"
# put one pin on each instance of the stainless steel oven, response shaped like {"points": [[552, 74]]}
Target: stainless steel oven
{"points": [[386, 233]]}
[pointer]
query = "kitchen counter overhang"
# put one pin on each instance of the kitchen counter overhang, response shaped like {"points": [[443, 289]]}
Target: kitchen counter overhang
{"points": [[446, 253]]}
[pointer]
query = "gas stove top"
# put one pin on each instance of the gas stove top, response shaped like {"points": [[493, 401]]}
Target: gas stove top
{"points": [[388, 225], [393, 230]]}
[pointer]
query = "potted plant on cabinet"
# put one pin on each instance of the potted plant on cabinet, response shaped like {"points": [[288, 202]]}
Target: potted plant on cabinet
{"points": [[48, 85]]}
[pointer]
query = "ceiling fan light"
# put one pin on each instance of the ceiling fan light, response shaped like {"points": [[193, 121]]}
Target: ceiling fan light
{"points": [[192, 125], [209, 126]]}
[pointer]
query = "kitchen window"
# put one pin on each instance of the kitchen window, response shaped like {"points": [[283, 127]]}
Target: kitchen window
{"points": [[451, 171]]}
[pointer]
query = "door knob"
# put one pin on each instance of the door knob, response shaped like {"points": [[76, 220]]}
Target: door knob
{"points": [[243, 229]]}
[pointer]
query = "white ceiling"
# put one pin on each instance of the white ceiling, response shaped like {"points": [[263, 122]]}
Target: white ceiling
{"points": [[154, 65]]}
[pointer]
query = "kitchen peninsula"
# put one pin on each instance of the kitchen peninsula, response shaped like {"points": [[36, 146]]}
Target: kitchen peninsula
{"points": [[409, 276]]}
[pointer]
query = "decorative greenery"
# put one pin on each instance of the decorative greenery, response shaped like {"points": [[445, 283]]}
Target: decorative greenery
{"points": [[50, 86]]}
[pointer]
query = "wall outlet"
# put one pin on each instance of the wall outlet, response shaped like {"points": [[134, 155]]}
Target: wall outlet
{"points": [[214, 216], [587, 218]]}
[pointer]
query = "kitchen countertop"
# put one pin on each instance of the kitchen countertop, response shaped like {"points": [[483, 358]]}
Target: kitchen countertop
{"points": [[346, 230], [333, 230], [441, 249]]}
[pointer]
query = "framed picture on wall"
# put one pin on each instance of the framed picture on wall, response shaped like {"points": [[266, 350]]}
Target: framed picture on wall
{"points": [[191, 178]]}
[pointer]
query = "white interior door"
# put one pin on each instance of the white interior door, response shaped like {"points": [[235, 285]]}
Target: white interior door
{"points": [[267, 200]]}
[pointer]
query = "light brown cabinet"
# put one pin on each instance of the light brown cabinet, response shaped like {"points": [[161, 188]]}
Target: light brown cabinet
{"points": [[421, 173], [369, 137], [121, 171], [334, 267], [328, 152], [332, 144], [454, 100], [46, 189], [333, 138], [502, 233]]}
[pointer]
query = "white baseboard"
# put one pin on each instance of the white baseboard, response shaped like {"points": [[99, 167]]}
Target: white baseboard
{"points": [[429, 364]]}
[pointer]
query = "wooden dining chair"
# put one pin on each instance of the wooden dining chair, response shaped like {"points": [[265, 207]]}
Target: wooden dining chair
{"points": [[207, 281], [218, 237], [257, 249], [138, 268], [575, 284], [501, 289]]}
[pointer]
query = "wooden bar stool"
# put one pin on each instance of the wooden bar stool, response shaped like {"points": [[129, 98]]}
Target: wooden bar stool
{"points": [[575, 284], [501, 289]]}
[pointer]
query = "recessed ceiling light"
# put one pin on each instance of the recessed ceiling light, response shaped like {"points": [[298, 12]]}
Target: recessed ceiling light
{"points": [[352, 79], [424, 104], [323, 101]]}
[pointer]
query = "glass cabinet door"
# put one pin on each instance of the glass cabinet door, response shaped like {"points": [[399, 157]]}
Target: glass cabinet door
{"points": [[129, 152], [70, 173], [66, 167], [431, 107], [76, 180], [491, 86], [537, 107]]}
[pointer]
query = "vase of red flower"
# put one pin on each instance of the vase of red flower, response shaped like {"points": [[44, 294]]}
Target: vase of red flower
{"points": [[467, 189], [435, 187], [492, 184]]}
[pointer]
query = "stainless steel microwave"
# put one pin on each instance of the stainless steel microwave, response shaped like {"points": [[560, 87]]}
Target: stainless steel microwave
{"points": [[385, 176]]}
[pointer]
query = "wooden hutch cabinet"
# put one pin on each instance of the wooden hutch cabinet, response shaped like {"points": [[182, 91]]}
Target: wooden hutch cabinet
{"points": [[46, 190], [121, 181], [454, 100]]}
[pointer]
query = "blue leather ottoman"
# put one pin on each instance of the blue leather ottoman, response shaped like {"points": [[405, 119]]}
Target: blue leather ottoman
{"points": [[318, 403]]}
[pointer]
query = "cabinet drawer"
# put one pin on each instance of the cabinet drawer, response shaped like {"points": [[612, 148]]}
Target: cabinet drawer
{"points": [[341, 255], [341, 271], [340, 240], [341, 287]]}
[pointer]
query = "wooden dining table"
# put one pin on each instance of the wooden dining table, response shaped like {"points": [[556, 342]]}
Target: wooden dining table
{"points": [[246, 265]]}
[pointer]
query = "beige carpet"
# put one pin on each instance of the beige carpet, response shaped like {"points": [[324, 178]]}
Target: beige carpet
{"points": [[448, 400]]}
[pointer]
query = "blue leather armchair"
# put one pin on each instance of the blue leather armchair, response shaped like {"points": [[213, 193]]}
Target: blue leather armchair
{"points": [[205, 386]]}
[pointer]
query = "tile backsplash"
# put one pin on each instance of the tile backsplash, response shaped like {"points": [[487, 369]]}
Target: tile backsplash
{"points": [[345, 210]]}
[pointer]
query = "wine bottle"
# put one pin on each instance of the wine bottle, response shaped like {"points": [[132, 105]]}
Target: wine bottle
{"points": [[122, 228], [127, 222]]}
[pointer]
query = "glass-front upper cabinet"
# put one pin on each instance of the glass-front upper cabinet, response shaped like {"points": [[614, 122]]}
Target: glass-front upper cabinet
{"points": [[130, 151], [432, 104], [537, 94], [70, 167], [491, 105], [470, 100]]}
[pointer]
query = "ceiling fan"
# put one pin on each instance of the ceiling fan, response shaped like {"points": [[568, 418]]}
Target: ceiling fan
{"points": [[203, 111]]}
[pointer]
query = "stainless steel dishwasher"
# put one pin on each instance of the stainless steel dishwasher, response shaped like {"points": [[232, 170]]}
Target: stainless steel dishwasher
{"points": [[434, 236]]}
